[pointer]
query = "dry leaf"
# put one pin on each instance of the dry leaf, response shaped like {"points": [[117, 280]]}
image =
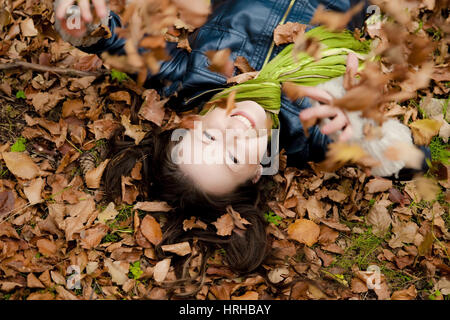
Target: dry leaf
{"points": [[288, 32], [404, 232], [427, 188], [92, 237], [7, 200], [237, 219], [161, 269], [358, 286], [79, 214], [151, 229], [133, 131], [242, 64], [81, 83], [72, 107], [181, 249], [33, 282], [380, 220], [341, 153], [426, 245], [424, 130], [335, 21], [315, 210], [89, 62], [193, 223], [406, 294], [46, 247], [152, 109], [249, 295], [94, 176], [21, 165], [135, 173], [311, 45], [104, 128], [335, 225], [304, 231], [33, 190], [109, 213], [378, 185], [152, 206], [129, 190], [278, 274], [27, 28], [194, 13], [243, 77], [224, 225], [327, 235], [118, 270], [220, 61]]}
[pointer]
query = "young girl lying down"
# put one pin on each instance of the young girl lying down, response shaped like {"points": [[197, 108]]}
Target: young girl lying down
{"points": [[216, 164]]}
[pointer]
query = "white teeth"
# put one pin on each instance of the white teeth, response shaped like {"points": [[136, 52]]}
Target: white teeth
{"points": [[244, 120]]}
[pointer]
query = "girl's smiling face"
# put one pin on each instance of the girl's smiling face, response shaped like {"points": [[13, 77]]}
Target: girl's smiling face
{"points": [[224, 151]]}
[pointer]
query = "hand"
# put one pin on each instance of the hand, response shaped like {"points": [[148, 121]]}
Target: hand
{"points": [[339, 119], [86, 15]]}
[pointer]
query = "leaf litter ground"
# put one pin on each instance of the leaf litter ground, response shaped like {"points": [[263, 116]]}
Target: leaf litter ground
{"points": [[332, 234]]}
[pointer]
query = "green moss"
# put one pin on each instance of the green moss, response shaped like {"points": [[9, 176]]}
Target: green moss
{"points": [[20, 94], [111, 237], [440, 151], [19, 145], [361, 252], [118, 75], [125, 212], [272, 217], [135, 271]]}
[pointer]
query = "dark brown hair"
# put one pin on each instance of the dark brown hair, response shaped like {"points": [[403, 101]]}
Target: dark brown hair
{"points": [[163, 180]]}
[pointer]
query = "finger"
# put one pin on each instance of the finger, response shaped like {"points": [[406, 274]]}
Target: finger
{"points": [[317, 94], [100, 8], [62, 9], [334, 125], [350, 70], [75, 32], [85, 9], [346, 134], [319, 111], [352, 63]]}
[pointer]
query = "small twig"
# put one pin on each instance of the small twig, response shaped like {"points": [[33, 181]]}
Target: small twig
{"points": [[37, 67], [77, 149], [10, 214]]}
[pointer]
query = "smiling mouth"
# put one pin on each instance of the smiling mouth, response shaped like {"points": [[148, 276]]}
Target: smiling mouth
{"points": [[245, 119]]}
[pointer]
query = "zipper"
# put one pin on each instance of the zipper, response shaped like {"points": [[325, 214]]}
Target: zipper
{"points": [[291, 4]]}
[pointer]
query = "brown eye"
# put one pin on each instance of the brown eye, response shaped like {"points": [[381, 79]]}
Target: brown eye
{"points": [[234, 159], [208, 136]]}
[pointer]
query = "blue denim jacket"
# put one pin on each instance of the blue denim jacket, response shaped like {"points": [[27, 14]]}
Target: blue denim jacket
{"points": [[246, 27]]}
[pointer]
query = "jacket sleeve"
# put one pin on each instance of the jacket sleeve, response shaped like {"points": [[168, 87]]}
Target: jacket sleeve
{"points": [[300, 148]]}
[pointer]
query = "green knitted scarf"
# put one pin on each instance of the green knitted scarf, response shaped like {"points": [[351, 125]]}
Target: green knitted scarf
{"points": [[303, 70]]}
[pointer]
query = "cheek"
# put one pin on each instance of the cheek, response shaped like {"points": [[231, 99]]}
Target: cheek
{"points": [[214, 119]]}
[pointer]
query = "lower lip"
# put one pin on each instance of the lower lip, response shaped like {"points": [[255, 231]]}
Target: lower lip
{"points": [[240, 113]]}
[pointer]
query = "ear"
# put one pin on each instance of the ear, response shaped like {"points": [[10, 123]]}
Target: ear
{"points": [[257, 174]]}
